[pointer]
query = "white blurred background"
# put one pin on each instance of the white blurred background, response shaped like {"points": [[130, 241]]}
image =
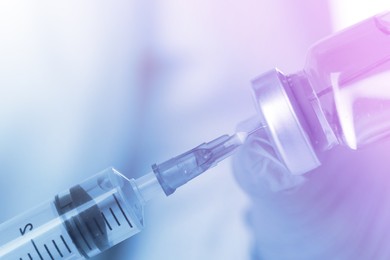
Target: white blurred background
{"points": [[91, 84]]}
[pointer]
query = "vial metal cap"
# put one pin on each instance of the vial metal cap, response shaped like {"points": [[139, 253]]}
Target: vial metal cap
{"points": [[279, 110]]}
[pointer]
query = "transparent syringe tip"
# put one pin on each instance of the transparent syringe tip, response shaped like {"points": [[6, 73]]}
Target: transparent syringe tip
{"points": [[181, 169]]}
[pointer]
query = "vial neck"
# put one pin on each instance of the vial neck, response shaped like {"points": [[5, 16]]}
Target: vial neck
{"points": [[320, 131]]}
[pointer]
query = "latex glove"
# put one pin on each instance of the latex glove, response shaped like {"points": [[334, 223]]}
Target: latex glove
{"points": [[340, 210]]}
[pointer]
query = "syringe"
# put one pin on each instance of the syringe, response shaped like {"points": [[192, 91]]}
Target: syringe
{"points": [[104, 210]]}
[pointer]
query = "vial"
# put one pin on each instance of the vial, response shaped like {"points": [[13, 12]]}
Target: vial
{"points": [[341, 96]]}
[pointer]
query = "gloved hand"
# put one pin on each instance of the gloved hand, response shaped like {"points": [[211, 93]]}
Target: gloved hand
{"points": [[340, 210]]}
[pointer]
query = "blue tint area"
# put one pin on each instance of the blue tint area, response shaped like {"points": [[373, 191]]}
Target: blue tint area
{"points": [[69, 106], [87, 85]]}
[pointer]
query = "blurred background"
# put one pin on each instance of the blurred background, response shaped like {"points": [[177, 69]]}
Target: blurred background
{"points": [[87, 85]]}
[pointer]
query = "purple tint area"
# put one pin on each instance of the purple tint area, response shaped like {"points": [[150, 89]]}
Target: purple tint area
{"points": [[349, 72], [339, 212]]}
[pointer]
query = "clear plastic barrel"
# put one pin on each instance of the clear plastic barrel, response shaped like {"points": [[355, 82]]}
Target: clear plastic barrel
{"points": [[79, 223], [37, 234]]}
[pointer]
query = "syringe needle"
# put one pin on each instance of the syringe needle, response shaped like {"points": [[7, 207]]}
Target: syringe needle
{"points": [[181, 169]]}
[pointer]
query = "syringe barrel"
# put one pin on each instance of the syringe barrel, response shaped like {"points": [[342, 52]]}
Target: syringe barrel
{"points": [[28, 235], [78, 223]]}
